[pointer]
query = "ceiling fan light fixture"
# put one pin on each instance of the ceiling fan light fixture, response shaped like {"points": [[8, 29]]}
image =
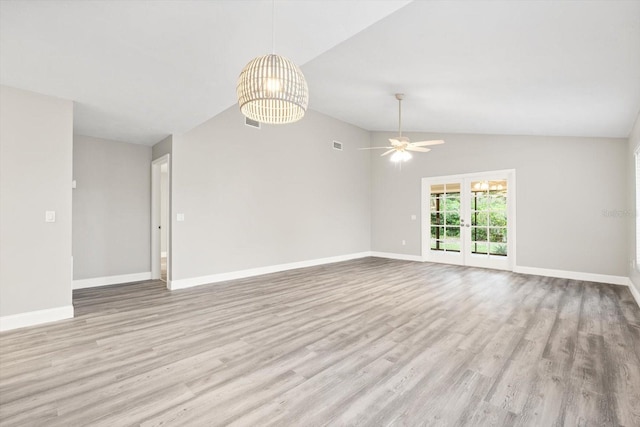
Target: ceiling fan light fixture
{"points": [[401, 145], [401, 156], [272, 89]]}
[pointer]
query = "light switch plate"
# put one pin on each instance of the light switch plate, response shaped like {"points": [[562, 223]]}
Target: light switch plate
{"points": [[413, 217], [180, 217], [50, 216]]}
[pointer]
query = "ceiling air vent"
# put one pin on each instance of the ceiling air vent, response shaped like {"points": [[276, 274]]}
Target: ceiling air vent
{"points": [[251, 123], [337, 145]]}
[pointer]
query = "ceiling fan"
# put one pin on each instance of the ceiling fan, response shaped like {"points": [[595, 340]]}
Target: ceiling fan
{"points": [[401, 145]]}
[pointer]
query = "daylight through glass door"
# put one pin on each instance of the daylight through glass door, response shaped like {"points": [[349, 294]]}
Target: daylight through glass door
{"points": [[489, 213], [467, 219], [445, 217]]}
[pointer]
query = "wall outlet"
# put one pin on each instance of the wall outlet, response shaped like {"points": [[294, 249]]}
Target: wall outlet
{"points": [[180, 217], [50, 216], [413, 217], [404, 242]]}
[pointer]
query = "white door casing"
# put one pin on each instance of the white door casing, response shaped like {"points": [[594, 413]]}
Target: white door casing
{"points": [[156, 210]]}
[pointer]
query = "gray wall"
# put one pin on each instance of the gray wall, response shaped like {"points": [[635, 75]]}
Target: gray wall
{"points": [[36, 137], [162, 147], [564, 185], [254, 198], [634, 143], [111, 208]]}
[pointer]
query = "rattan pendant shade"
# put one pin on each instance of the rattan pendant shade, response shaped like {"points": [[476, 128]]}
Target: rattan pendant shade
{"points": [[272, 89]]}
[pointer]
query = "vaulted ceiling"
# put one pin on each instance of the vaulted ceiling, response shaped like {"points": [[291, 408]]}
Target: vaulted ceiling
{"points": [[142, 69]]}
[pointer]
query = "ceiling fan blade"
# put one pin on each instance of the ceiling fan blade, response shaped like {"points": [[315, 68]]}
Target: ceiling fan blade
{"points": [[374, 148], [388, 152], [421, 149], [399, 140], [423, 143]]}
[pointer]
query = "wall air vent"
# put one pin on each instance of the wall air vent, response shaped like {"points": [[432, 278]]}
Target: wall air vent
{"points": [[337, 145], [251, 123]]}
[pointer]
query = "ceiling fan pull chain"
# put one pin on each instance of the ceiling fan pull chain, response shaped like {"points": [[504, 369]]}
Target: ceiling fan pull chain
{"points": [[399, 96]]}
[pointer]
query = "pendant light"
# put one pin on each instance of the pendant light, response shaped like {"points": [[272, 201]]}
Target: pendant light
{"points": [[271, 88]]}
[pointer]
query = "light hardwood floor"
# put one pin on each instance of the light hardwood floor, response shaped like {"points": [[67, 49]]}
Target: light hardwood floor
{"points": [[365, 342]]}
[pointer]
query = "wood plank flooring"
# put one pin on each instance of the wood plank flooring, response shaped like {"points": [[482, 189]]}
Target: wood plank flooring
{"points": [[364, 342]]}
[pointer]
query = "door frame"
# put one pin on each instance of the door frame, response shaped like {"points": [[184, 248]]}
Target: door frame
{"points": [[156, 211], [426, 211]]}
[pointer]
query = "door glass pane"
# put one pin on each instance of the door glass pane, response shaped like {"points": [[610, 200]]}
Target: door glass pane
{"points": [[498, 219], [452, 203], [436, 202], [498, 202], [452, 246], [499, 249], [437, 233], [479, 218], [488, 207], [479, 234], [444, 204], [498, 235], [437, 189], [437, 218], [452, 218], [479, 247], [453, 233], [452, 188]]}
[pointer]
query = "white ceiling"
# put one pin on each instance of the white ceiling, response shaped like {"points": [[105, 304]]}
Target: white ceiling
{"points": [[496, 67], [140, 70]]}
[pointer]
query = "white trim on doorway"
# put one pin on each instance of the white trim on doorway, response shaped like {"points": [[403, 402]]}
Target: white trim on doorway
{"points": [[156, 199]]}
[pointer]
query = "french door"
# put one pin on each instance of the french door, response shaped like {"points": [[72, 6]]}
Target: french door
{"points": [[470, 219]]}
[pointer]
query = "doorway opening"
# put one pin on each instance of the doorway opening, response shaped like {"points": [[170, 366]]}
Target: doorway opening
{"points": [[160, 219], [470, 219]]}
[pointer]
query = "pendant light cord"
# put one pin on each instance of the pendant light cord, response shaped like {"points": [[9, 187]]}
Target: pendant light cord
{"points": [[273, 26]]}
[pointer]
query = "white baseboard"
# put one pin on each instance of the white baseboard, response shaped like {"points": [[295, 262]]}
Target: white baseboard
{"points": [[634, 291], [241, 274], [32, 318], [574, 275], [403, 257], [111, 280], [222, 277]]}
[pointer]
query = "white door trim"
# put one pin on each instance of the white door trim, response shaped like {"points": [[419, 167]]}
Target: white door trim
{"points": [[155, 216]]}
